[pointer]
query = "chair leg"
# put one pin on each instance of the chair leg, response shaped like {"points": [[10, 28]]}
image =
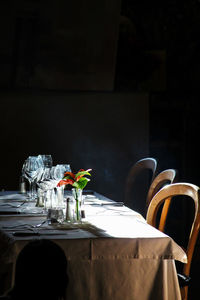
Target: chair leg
{"points": [[184, 293]]}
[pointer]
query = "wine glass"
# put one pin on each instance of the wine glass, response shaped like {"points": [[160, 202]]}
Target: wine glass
{"points": [[32, 168], [47, 160], [57, 173], [53, 195], [46, 186]]}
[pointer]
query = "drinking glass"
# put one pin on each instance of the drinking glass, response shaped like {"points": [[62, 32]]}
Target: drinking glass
{"points": [[66, 167], [44, 184], [32, 168], [47, 160], [55, 216], [53, 195], [57, 173]]}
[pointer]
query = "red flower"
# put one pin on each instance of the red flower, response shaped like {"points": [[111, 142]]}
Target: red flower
{"points": [[75, 180], [65, 182]]}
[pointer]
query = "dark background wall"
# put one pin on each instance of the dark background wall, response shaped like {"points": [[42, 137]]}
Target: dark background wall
{"points": [[68, 45], [107, 132], [58, 66]]}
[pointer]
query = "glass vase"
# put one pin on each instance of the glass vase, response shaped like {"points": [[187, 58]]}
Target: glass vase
{"points": [[77, 195]]}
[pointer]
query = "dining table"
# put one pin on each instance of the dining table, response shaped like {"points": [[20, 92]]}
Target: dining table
{"points": [[112, 253]]}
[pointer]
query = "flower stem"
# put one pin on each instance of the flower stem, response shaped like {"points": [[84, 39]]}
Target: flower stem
{"points": [[77, 204]]}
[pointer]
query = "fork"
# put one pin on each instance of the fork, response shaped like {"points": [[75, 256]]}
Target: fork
{"points": [[14, 206], [25, 225]]}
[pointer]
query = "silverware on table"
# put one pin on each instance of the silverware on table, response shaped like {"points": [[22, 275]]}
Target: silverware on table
{"points": [[37, 233], [24, 225], [113, 204], [108, 203], [12, 205]]}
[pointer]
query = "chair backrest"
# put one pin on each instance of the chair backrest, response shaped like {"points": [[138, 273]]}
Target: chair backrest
{"points": [[147, 163], [169, 191], [165, 177]]}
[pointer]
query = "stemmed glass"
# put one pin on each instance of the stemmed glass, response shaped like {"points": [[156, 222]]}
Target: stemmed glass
{"points": [[48, 184], [47, 160], [57, 172], [32, 169]]}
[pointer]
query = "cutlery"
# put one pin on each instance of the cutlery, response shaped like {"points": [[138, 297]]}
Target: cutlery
{"points": [[13, 205], [107, 203], [114, 204], [24, 225], [33, 233], [40, 224], [14, 226]]}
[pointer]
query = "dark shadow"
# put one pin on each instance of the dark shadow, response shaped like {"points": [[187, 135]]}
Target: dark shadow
{"points": [[40, 272]]}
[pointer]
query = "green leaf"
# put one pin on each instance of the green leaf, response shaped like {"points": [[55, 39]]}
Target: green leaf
{"points": [[76, 185], [82, 173], [82, 182]]}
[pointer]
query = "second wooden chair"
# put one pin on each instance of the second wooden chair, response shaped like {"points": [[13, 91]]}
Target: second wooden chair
{"points": [[165, 177]]}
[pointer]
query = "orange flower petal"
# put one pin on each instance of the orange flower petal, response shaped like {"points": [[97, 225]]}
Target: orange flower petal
{"points": [[70, 174], [65, 182]]}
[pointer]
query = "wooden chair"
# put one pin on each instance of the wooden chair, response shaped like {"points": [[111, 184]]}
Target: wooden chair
{"points": [[178, 189], [136, 170], [165, 177]]}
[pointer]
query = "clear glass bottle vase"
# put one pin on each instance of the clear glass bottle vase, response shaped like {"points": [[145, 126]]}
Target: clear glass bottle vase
{"points": [[77, 195]]}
